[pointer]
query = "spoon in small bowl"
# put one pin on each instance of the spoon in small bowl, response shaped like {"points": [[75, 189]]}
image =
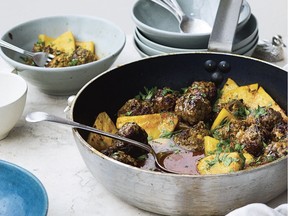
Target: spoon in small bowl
{"points": [[186, 24], [158, 157]]}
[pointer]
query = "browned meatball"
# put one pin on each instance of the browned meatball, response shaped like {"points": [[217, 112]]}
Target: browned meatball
{"points": [[136, 107], [279, 131], [164, 100], [125, 158], [266, 117], [132, 131], [205, 89], [192, 139], [192, 108], [277, 149], [232, 130], [253, 139]]}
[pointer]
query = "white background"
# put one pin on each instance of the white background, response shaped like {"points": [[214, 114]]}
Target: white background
{"points": [[271, 14]]}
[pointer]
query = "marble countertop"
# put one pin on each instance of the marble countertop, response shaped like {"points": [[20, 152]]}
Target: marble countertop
{"points": [[49, 151]]}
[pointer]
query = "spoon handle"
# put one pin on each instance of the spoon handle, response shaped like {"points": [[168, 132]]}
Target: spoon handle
{"points": [[177, 7], [165, 4], [56, 119]]}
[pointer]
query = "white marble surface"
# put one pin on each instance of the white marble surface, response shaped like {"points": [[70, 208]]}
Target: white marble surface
{"points": [[48, 150]]}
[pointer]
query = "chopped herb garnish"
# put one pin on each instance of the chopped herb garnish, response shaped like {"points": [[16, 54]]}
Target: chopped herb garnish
{"points": [[168, 134], [226, 160], [147, 95], [166, 91], [238, 147], [242, 112], [128, 113], [73, 62], [259, 111], [142, 157]]}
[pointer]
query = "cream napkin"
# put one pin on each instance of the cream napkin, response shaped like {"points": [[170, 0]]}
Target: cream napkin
{"points": [[259, 209]]}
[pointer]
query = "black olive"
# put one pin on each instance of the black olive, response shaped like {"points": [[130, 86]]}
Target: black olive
{"points": [[224, 66], [217, 77], [210, 66]]}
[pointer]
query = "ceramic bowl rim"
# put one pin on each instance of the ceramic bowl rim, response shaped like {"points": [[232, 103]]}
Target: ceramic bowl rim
{"points": [[24, 92], [65, 69], [32, 177]]}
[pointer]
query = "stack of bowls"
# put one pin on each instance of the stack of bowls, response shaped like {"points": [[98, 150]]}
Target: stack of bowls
{"points": [[157, 29]]}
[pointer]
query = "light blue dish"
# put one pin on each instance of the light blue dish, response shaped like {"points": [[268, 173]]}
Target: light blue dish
{"points": [[160, 47], [21, 193], [161, 26]]}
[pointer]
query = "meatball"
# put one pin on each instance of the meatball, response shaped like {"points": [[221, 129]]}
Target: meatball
{"points": [[279, 131], [205, 89], [125, 158], [232, 130], [277, 149], [266, 117], [192, 139], [253, 139], [132, 131], [164, 100], [136, 107], [193, 108]]}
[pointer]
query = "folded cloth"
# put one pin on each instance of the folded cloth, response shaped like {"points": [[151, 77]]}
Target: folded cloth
{"points": [[259, 209]]}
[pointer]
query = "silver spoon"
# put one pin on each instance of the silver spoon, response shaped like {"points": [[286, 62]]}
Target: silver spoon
{"points": [[186, 24], [42, 116], [189, 24]]}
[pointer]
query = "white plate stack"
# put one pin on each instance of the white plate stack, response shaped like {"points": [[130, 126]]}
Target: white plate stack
{"points": [[157, 29]]}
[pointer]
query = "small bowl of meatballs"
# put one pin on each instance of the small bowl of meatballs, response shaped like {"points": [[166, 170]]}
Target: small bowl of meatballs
{"points": [[83, 47]]}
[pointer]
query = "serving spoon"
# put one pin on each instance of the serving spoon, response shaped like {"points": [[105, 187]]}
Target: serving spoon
{"points": [[158, 157], [187, 24]]}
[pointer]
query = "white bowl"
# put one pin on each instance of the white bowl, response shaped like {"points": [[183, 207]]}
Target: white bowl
{"points": [[108, 38], [251, 50], [243, 39], [145, 49], [150, 51], [160, 47], [13, 92], [248, 46], [141, 53], [160, 26], [246, 34], [246, 39]]}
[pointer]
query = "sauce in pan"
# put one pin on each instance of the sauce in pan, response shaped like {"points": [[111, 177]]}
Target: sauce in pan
{"points": [[182, 162], [173, 157]]}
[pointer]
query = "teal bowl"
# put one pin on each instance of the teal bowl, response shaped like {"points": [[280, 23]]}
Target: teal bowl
{"points": [[21, 193]]}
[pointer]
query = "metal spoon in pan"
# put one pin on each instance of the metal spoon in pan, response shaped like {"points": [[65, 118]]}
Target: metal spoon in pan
{"points": [[159, 157]]}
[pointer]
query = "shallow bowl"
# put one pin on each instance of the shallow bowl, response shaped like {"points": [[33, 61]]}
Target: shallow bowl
{"points": [[159, 47], [21, 193], [108, 38], [244, 39], [161, 26]]}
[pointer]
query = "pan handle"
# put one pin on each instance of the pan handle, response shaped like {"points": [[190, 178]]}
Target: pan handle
{"points": [[225, 25]]}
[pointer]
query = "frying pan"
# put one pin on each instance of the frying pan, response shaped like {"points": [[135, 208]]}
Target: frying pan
{"points": [[172, 194]]}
